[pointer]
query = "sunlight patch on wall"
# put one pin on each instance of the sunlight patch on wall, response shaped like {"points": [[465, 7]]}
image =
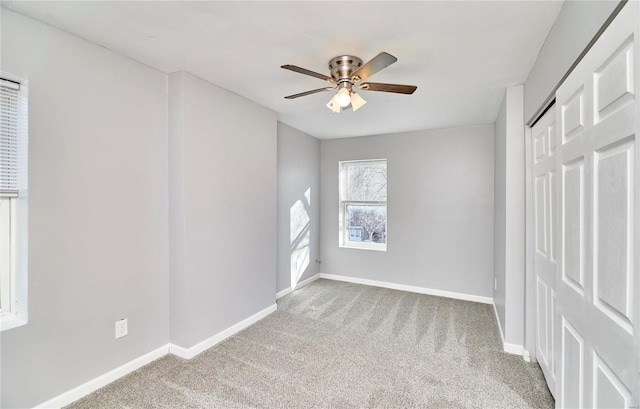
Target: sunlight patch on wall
{"points": [[300, 237]]}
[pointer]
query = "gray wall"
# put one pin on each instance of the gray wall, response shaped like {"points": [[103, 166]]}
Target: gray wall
{"points": [[509, 216], [98, 213], [298, 206], [223, 228], [575, 26], [440, 209]]}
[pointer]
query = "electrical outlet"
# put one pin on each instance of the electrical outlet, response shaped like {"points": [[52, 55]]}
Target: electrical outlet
{"points": [[121, 328], [495, 283]]}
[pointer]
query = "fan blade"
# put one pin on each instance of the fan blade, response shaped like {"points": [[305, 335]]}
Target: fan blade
{"points": [[380, 61], [305, 71], [302, 94], [397, 88]]}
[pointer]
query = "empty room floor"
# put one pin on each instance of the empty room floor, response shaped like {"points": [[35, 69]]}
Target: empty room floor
{"points": [[339, 345]]}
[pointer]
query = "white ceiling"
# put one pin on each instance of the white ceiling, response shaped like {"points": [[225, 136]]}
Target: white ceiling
{"points": [[461, 55]]}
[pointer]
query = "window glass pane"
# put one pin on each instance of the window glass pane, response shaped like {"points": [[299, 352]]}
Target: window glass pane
{"points": [[366, 182], [366, 223]]}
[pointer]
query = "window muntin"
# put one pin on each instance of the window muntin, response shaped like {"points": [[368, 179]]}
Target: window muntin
{"points": [[13, 202], [363, 204]]}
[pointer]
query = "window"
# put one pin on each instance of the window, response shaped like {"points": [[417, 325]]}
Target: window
{"points": [[363, 204], [13, 201]]}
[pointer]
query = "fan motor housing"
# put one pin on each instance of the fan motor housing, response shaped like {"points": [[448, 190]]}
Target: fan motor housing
{"points": [[343, 66]]}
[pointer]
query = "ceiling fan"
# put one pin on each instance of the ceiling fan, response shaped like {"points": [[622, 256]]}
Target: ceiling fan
{"points": [[347, 74]]}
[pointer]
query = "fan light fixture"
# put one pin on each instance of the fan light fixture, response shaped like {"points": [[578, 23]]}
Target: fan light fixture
{"points": [[343, 98], [347, 74]]}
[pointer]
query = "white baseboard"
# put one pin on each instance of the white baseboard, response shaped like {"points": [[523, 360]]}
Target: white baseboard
{"points": [[410, 288], [302, 283], [507, 347], [513, 349], [188, 353], [282, 293], [495, 311], [103, 380]]}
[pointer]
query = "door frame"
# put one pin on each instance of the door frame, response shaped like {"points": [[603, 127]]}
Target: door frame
{"points": [[529, 352]]}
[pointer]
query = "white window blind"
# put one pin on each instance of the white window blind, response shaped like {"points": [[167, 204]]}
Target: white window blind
{"points": [[9, 115]]}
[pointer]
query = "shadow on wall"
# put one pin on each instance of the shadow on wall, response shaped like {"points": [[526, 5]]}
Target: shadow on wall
{"points": [[300, 237]]}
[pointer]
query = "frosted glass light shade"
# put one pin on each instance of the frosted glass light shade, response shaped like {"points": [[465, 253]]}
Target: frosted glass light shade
{"points": [[333, 105], [357, 101], [343, 98]]}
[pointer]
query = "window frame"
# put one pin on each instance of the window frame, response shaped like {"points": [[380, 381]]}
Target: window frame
{"points": [[7, 270], [13, 272], [343, 227]]}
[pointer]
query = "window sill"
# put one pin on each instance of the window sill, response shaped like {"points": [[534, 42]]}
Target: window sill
{"points": [[10, 321], [364, 246]]}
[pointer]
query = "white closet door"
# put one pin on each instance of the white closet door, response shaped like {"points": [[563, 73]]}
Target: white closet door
{"points": [[598, 276], [543, 160]]}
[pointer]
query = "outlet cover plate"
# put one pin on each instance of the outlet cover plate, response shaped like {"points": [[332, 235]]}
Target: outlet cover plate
{"points": [[121, 328]]}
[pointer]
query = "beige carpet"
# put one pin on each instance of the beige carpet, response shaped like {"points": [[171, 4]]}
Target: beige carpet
{"points": [[340, 345]]}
